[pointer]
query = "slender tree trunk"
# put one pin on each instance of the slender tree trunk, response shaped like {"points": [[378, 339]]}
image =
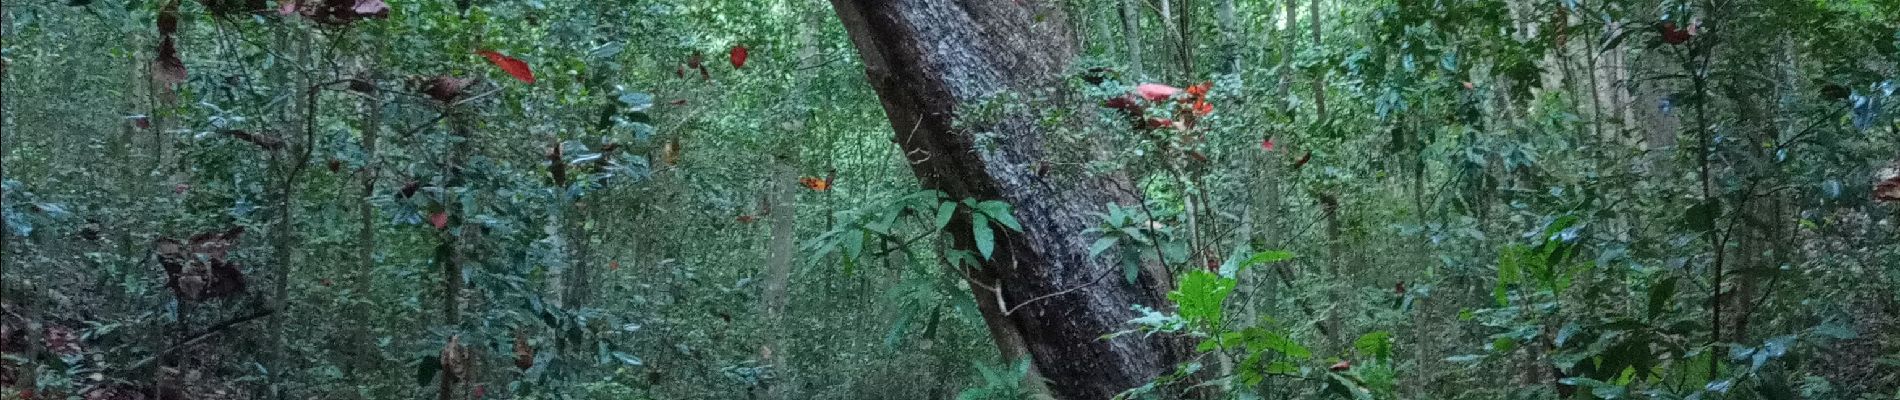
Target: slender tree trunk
{"points": [[1230, 38], [364, 278], [289, 164], [1319, 79], [1131, 30], [450, 251], [778, 265], [1184, 49], [784, 205], [1287, 38], [5, 237], [926, 59]]}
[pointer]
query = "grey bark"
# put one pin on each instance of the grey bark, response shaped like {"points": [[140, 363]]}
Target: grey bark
{"points": [[927, 59]]}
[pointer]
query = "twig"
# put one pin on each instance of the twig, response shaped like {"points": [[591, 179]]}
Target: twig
{"points": [[193, 340], [1098, 279]]}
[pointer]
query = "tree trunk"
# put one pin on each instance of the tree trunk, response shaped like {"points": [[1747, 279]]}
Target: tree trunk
{"points": [[783, 203], [364, 278], [1131, 30], [1319, 79], [926, 59]]}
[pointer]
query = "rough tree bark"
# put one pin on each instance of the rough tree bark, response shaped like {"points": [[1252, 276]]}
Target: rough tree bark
{"points": [[927, 59]]}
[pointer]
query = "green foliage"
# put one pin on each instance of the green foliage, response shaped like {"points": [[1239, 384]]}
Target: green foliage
{"points": [[999, 382]]}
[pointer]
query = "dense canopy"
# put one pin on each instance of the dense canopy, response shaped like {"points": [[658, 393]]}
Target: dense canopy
{"points": [[949, 199]]}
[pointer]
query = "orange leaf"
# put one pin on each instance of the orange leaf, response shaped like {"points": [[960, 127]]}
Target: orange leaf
{"points": [[815, 183], [1200, 90], [738, 55], [1202, 107], [512, 66]]}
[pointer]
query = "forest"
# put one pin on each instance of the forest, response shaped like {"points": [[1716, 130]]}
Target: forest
{"points": [[949, 199]]}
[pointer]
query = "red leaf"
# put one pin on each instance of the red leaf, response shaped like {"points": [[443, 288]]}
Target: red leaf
{"points": [[1156, 91], [1887, 188], [1302, 161], [1673, 35], [1267, 145], [1341, 366], [738, 55], [439, 219], [512, 66], [615, 265]]}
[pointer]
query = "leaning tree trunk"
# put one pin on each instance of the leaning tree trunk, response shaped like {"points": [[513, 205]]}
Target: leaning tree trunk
{"points": [[929, 58]]}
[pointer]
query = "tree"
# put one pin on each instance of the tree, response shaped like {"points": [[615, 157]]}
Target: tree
{"points": [[929, 61]]}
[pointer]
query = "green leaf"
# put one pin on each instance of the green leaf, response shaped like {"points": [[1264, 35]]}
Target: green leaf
{"points": [[1131, 264], [1701, 217], [985, 238], [1378, 344], [944, 212], [1201, 295], [1659, 296], [1102, 245], [1000, 212], [426, 369], [1266, 257], [628, 359]]}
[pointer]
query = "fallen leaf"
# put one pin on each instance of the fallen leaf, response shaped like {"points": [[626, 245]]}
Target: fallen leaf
{"points": [[512, 66], [1341, 366], [1268, 144], [440, 219]]}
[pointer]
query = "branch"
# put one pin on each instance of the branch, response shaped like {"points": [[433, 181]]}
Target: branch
{"points": [[193, 340]]}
